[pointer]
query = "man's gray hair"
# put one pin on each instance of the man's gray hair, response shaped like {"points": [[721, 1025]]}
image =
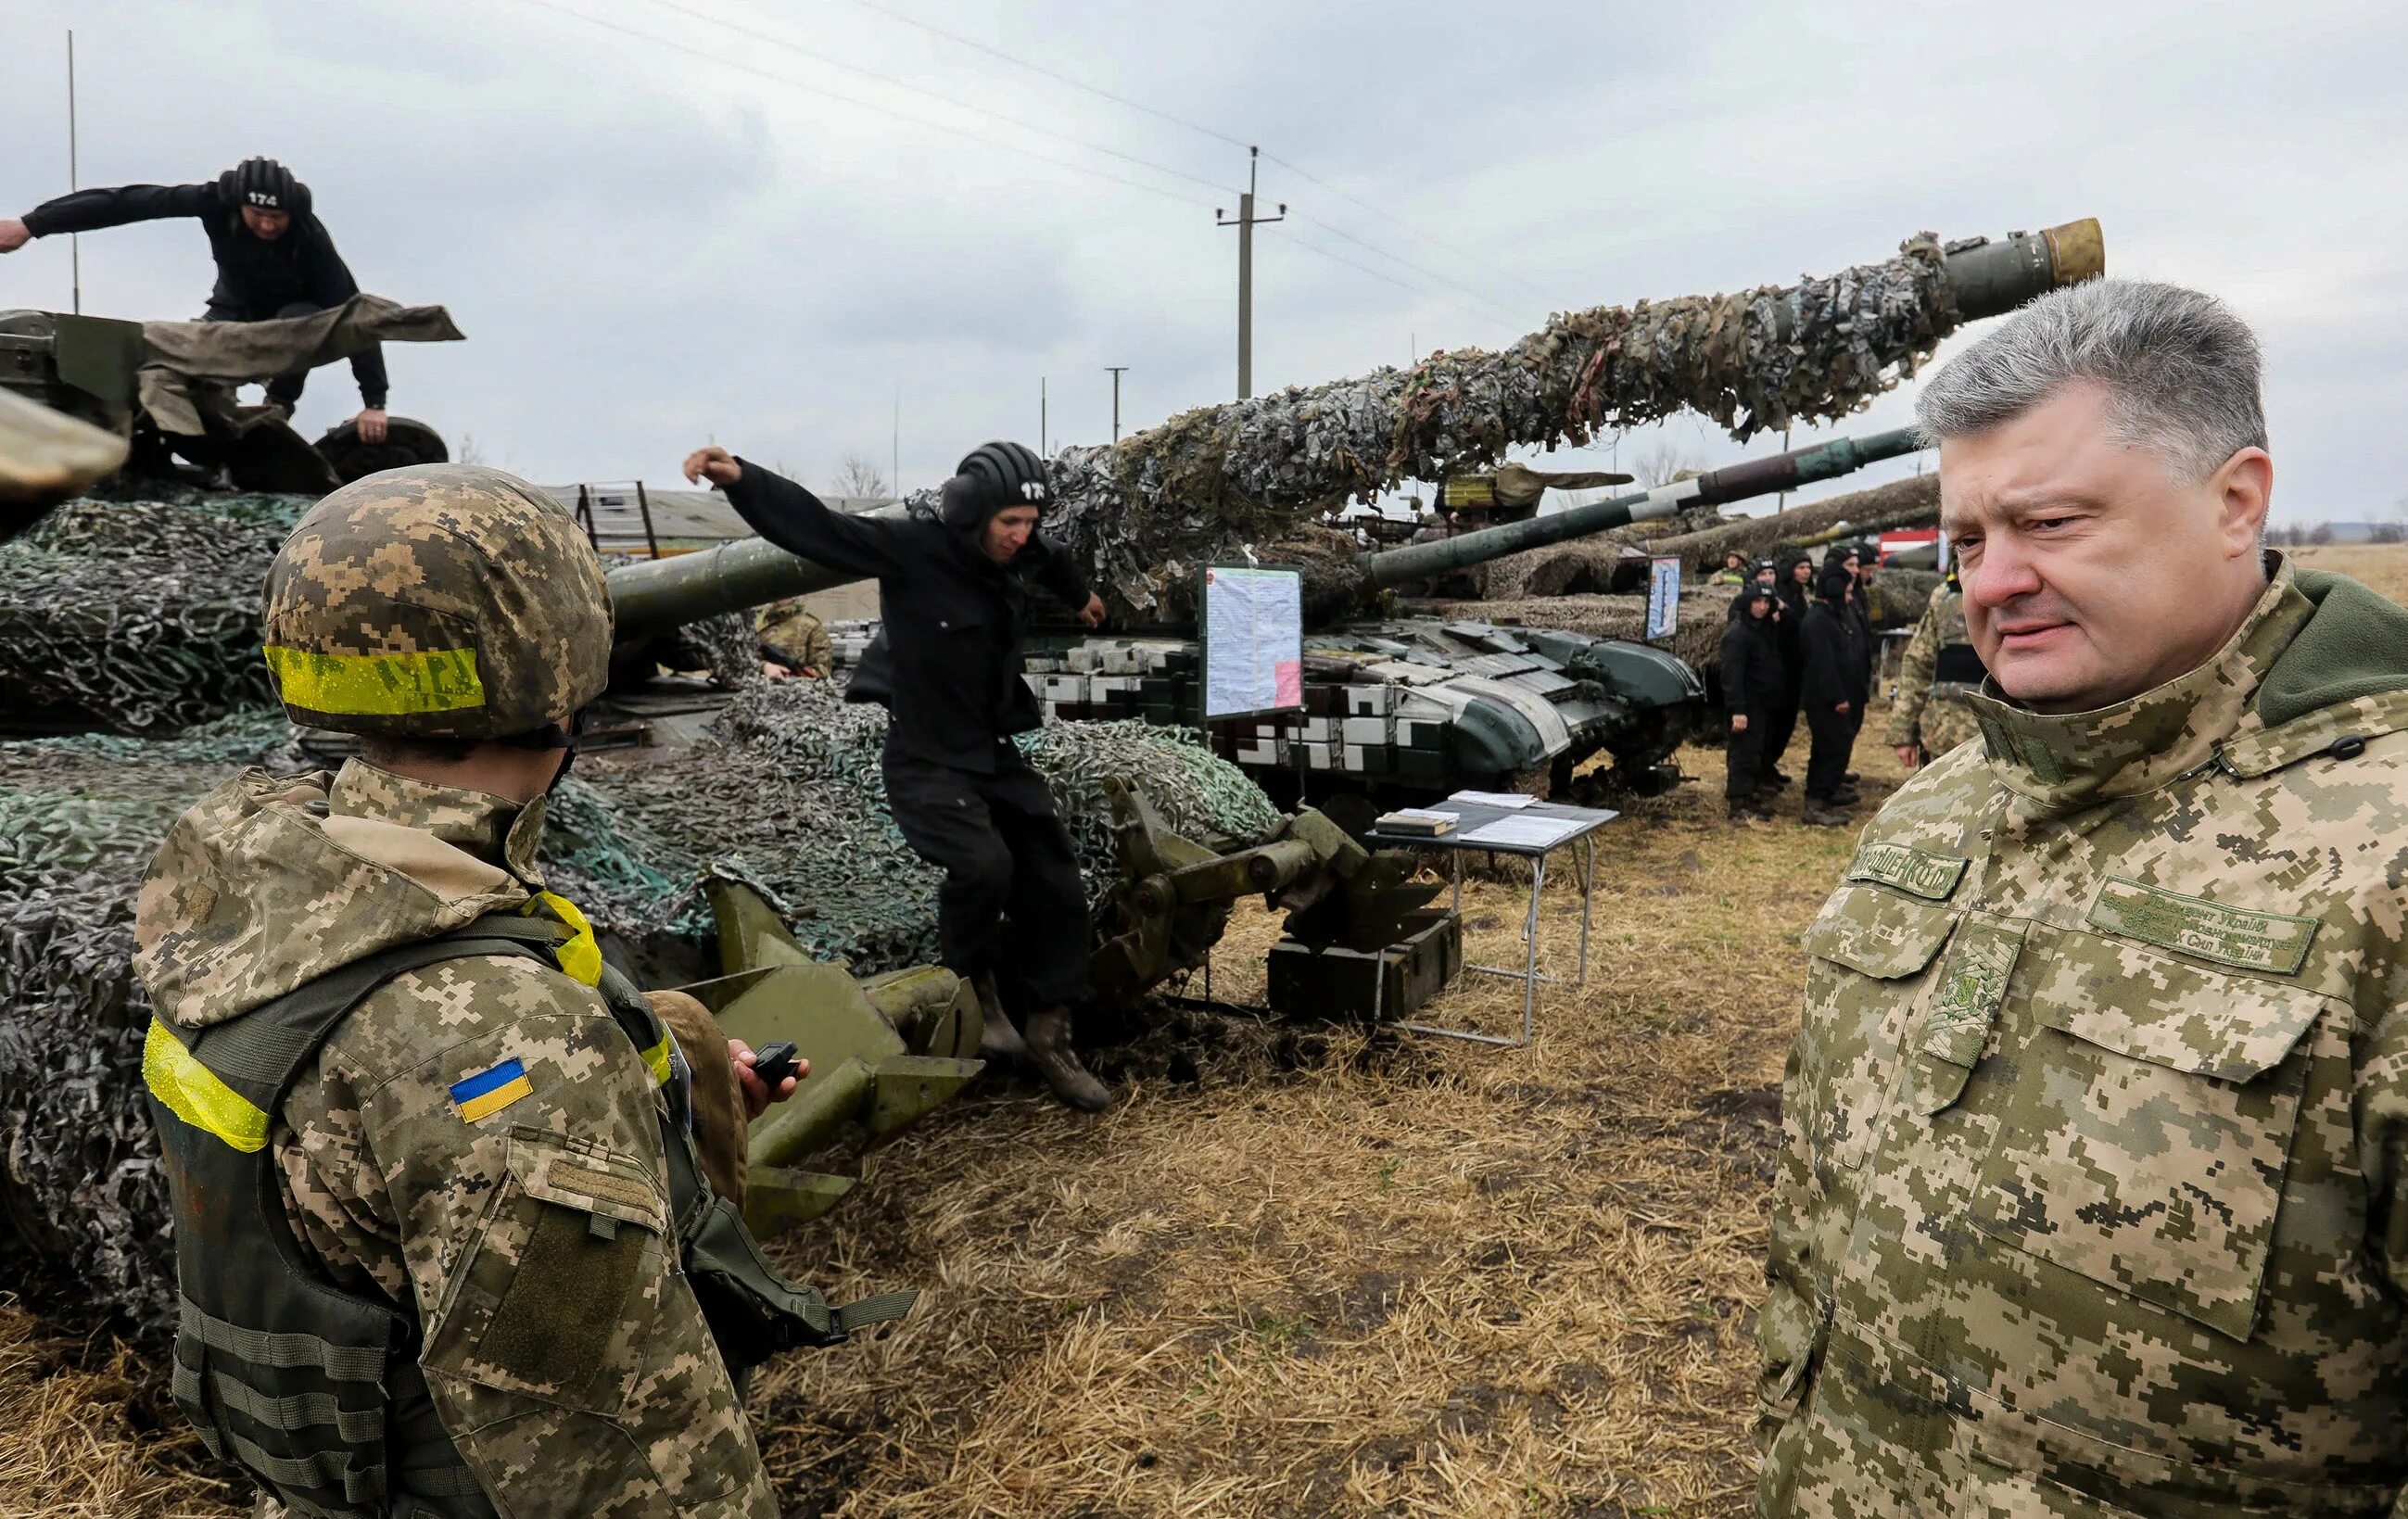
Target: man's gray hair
{"points": [[2181, 367]]}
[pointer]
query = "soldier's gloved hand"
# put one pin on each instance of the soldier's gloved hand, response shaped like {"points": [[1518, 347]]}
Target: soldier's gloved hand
{"points": [[13, 234], [715, 463], [757, 1095]]}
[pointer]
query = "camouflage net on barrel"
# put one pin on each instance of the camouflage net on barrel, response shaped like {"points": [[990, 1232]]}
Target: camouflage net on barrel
{"points": [[786, 796], [1211, 482]]}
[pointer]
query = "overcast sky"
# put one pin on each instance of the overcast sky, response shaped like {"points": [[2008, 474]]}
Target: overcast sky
{"points": [[650, 248]]}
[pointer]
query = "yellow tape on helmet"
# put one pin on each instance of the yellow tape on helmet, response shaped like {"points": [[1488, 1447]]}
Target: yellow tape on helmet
{"points": [[382, 685], [192, 1093]]}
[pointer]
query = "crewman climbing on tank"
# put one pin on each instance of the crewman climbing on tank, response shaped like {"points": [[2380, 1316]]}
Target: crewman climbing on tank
{"points": [[953, 586], [273, 257]]}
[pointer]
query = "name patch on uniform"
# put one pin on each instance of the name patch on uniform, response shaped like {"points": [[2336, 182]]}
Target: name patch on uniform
{"points": [[1916, 871], [2231, 936], [491, 1091]]}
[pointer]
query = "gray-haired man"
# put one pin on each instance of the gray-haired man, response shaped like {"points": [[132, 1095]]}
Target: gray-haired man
{"points": [[2094, 1190]]}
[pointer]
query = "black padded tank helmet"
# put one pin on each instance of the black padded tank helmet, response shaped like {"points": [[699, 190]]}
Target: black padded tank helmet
{"points": [[992, 477], [265, 183]]}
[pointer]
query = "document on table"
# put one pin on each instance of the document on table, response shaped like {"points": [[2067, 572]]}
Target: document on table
{"points": [[1432, 814], [1525, 833], [1513, 800]]}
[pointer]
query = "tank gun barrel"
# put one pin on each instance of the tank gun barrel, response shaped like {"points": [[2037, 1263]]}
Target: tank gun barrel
{"points": [[654, 596], [1732, 483]]}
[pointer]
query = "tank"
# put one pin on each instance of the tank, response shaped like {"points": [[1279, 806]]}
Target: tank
{"points": [[109, 373], [1440, 703]]}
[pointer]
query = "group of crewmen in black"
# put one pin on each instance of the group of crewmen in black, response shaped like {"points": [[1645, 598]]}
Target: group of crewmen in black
{"points": [[1799, 644]]}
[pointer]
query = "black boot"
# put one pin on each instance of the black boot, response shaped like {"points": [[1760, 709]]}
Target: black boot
{"points": [[997, 1038], [1057, 1064], [1820, 813]]}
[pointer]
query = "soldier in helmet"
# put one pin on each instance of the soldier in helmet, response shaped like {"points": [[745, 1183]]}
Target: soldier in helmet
{"points": [[273, 257], [2093, 1194], [953, 590], [1940, 669], [444, 1244]]}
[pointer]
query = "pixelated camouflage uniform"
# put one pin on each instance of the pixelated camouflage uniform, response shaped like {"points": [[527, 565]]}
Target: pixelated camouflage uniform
{"points": [[594, 1389], [2093, 1196], [491, 1277], [796, 636], [1929, 712]]}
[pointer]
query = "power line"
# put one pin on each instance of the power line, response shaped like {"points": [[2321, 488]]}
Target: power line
{"points": [[1053, 74], [822, 91], [1217, 135], [1459, 251], [1295, 241], [1432, 274], [833, 62]]}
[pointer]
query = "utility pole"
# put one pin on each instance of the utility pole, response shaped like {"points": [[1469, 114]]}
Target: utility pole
{"points": [[1117, 371], [1041, 417], [1780, 502], [1245, 221], [75, 244], [894, 449]]}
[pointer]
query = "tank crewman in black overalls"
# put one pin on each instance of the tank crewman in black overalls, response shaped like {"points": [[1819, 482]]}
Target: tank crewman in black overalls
{"points": [[953, 589], [273, 257]]}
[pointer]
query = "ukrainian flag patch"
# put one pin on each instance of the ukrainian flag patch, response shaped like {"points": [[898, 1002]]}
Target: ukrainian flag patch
{"points": [[491, 1091]]}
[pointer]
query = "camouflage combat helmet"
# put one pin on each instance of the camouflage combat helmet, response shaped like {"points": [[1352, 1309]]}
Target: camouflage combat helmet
{"points": [[439, 601]]}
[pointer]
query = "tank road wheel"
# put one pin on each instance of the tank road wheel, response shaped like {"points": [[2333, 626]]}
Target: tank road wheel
{"points": [[407, 441]]}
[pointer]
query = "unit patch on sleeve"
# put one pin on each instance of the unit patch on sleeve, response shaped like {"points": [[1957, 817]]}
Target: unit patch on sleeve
{"points": [[491, 1091], [2231, 936], [1916, 871]]}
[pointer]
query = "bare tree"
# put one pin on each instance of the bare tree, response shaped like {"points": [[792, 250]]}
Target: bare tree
{"points": [[2321, 534], [469, 451], [1664, 461], [858, 475]]}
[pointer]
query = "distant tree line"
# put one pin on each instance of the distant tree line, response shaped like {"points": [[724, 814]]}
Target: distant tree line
{"points": [[2322, 533]]}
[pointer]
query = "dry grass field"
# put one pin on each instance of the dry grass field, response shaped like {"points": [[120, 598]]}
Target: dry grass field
{"points": [[1298, 1271], [2381, 565]]}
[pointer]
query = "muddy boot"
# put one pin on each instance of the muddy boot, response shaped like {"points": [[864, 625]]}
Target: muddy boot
{"points": [[1748, 810], [1847, 796], [1820, 813], [1057, 1064], [997, 1038]]}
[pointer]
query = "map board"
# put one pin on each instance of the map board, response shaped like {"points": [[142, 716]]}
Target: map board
{"points": [[1663, 597], [1253, 628]]}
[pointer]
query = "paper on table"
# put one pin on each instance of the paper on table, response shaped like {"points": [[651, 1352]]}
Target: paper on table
{"points": [[1431, 813], [1492, 799], [1525, 833]]}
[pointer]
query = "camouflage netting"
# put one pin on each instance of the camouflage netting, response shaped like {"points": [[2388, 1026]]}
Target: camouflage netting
{"points": [[1211, 482], [787, 795], [144, 614], [78, 821], [1583, 564]]}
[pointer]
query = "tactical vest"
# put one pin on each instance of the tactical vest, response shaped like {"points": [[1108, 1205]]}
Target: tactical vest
{"points": [[315, 1391]]}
